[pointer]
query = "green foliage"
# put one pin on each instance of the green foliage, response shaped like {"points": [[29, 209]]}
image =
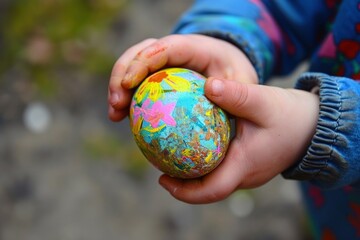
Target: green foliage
{"points": [[46, 36]]}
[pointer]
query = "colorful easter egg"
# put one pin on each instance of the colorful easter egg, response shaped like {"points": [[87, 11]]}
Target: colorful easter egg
{"points": [[176, 127]]}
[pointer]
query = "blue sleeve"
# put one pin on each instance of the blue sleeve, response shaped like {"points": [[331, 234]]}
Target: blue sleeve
{"points": [[275, 35], [333, 158]]}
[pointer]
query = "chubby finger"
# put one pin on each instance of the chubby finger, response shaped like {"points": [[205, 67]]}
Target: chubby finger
{"points": [[119, 101], [117, 115], [120, 66], [249, 101], [213, 187], [173, 50], [118, 97]]}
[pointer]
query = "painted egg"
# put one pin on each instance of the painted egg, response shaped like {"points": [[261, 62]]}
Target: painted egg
{"points": [[176, 127]]}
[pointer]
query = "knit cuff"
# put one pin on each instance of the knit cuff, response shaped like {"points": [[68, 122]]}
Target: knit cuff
{"points": [[322, 163]]}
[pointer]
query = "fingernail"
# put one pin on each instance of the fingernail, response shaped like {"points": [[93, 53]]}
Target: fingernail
{"points": [[114, 98], [126, 82], [217, 87], [128, 77]]}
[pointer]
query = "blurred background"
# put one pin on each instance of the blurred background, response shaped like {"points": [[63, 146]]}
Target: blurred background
{"points": [[66, 171]]}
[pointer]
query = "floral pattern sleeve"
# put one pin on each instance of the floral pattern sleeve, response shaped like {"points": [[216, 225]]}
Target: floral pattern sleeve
{"points": [[269, 32]]}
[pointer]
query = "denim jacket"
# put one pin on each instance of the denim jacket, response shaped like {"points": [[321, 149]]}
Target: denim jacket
{"points": [[277, 35]]}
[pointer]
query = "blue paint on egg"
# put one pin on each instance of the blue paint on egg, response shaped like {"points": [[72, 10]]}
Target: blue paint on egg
{"points": [[176, 127]]}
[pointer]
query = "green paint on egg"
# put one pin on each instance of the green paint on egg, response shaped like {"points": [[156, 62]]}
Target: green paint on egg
{"points": [[176, 127]]}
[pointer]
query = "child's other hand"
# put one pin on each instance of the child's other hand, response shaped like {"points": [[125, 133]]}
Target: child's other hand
{"points": [[206, 55], [274, 127]]}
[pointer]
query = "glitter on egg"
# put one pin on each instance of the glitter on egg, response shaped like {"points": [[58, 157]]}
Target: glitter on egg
{"points": [[176, 127]]}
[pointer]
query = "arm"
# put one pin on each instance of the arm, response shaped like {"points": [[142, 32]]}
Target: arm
{"points": [[275, 35]]}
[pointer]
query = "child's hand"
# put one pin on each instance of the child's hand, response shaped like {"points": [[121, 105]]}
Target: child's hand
{"points": [[206, 55], [274, 127]]}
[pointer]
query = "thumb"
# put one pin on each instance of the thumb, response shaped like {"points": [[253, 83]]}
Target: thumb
{"points": [[248, 101]]}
